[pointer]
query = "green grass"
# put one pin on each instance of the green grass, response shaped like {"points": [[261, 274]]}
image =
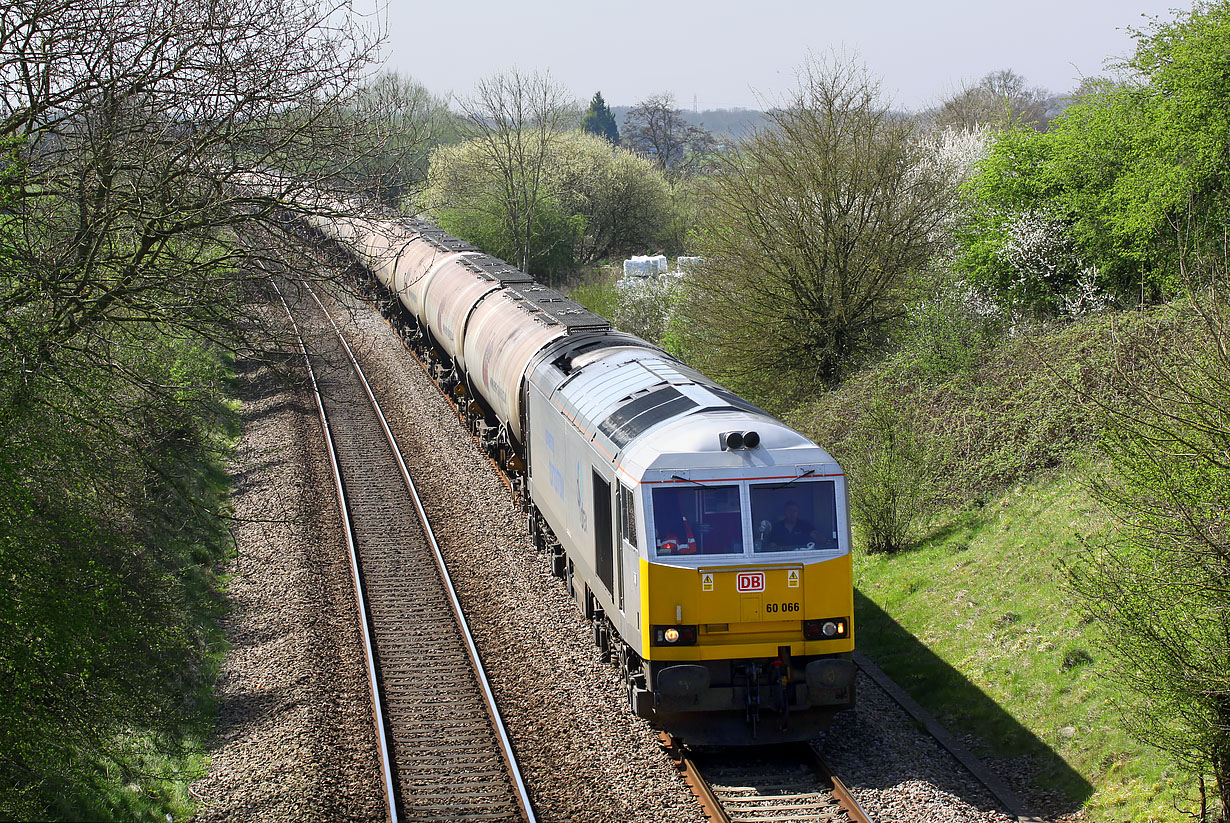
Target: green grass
{"points": [[977, 624], [594, 288]]}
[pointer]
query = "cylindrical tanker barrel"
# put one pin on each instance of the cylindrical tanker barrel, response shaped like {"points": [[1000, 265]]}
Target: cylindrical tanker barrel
{"points": [[367, 242], [399, 245], [377, 248], [502, 336], [450, 293], [326, 224], [320, 224], [344, 231], [416, 266], [403, 235]]}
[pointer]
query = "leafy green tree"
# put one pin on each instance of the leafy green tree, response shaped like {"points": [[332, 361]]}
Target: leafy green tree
{"points": [[552, 234], [623, 200], [1158, 580], [599, 120], [814, 227], [1134, 171], [594, 202]]}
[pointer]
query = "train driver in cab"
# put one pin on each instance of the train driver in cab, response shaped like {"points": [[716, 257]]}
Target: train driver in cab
{"points": [[792, 532]]}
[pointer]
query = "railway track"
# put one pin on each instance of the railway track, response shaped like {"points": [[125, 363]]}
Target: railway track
{"points": [[787, 785], [445, 753], [784, 784]]}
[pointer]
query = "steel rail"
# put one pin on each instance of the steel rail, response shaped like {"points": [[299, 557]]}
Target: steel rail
{"points": [[700, 787], [489, 701], [712, 806], [383, 744], [844, 798]]}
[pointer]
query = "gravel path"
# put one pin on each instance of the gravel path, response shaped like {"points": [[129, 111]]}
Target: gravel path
{"points": [[294, 740]]}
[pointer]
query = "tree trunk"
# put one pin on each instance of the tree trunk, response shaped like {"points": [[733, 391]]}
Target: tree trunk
{"points": [[1220, 755]]}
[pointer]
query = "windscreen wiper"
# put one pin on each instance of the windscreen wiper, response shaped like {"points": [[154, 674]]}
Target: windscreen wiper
{"points": [[807, 473], [686, 480]]}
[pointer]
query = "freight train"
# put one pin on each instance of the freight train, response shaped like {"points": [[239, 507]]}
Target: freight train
{"points": [[707, 542]]}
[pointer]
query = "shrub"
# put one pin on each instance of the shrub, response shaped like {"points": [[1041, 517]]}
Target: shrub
{"points": [[1022, 406], [644, 306], [1075, 658], [887, 467]]}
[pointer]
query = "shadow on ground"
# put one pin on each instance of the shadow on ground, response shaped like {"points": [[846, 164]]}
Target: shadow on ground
{"points": [[1040, 777]]}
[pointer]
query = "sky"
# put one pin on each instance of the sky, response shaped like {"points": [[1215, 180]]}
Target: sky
{"points": [[722, 54]]}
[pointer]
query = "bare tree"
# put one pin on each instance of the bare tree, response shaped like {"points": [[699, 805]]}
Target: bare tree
{"points": [[401, 123], [1001, 99], [515, 119], [135, 130], [656, 129], [814, 228]]}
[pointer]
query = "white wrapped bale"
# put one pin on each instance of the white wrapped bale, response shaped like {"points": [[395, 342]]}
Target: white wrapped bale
{"points": [[641, 265]]}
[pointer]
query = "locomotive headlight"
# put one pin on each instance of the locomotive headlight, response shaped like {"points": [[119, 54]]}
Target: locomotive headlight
{"points": [[831, 629], [674, 635]]}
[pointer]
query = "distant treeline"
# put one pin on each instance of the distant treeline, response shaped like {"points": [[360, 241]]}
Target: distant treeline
{"points": [[734, 123]]}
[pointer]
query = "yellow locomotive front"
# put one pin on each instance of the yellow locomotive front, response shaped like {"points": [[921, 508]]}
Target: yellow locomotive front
{"points": [[747, 595]]}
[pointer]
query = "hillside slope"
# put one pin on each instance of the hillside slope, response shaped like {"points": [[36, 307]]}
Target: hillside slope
{"points": [[975, 618], [976, 623]]}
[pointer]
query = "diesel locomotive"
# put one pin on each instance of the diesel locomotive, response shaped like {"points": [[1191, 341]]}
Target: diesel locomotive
{"points": [[707, 542]]}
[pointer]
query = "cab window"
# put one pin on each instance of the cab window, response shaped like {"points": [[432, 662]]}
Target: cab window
{"points": [[627, 515], [695, 520], [794, 516]]}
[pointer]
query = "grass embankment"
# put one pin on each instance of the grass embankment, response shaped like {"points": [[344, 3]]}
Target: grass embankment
{"points": [[113, 500], [977, 624], [975, 618]]}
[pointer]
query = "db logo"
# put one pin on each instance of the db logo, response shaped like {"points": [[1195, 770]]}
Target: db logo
{"points": [[750, 582]]}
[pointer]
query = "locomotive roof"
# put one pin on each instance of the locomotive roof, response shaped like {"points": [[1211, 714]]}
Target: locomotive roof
{"points": [[688, 449], [620, 392]]}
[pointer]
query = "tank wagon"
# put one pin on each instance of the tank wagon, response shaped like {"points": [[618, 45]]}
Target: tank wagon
{"points": [[708, 542]]}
